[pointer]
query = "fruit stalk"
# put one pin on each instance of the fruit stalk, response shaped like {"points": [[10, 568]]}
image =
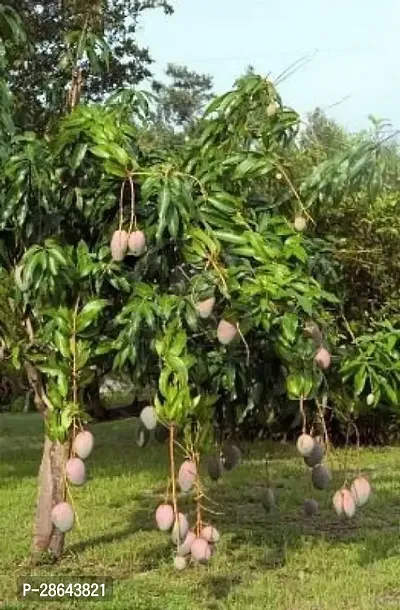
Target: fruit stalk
{"points": [[199, 494], [133, 222], [172, 472]]}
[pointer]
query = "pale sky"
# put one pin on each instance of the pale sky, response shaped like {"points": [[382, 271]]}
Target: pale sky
{"points": [[354, 46]]}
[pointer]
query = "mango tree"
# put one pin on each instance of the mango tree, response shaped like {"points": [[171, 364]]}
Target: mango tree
{"points": [[188, 269]]}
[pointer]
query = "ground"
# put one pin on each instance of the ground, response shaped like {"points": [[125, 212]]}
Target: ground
{"points": [[283, 561]]}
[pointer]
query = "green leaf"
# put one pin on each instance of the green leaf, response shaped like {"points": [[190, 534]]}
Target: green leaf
{"points": [[62, 383], [164, 200], [294, 385], [360, 379], [78, 155], [52, 371], [179, 343], [308, 384], [85, 263], [178, 366], [119, 154], [100, 151], [290, 323], [114, 169], [89, 314], [232, 238], [66, 418], [390, 392], [62, 343], [15, 357]]}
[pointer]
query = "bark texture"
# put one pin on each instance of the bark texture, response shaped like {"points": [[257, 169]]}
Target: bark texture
{"points": [[51, 491]]}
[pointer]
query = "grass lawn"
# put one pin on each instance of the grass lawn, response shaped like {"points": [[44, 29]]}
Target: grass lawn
{"points": [[282, 561]]}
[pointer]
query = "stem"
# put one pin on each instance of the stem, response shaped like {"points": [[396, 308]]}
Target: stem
{"points": [[68, 492], [218, 270], [133, 215], [199, 495], [245, 344], [196, 180], [323, 423], [294, 191], [347, 325], [74, 374], [172, 472]]}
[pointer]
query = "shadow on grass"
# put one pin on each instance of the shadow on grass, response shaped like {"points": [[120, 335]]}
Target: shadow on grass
{"points": [[244, 521], [244, 524]]}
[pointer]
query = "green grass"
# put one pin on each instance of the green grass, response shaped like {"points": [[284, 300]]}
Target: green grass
{"points": [[283, 561]]}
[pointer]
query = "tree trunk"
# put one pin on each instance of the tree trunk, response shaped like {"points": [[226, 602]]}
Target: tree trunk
{"points": [[51, 491]]}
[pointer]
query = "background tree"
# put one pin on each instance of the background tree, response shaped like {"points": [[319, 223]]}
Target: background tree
{"points": [[39, 75], [176, 107]]}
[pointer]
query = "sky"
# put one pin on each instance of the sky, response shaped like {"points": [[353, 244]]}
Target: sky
{"points": [[352, 49]]}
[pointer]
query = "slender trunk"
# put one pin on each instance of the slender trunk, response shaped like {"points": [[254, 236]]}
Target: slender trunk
{"points": [[51, 491]]}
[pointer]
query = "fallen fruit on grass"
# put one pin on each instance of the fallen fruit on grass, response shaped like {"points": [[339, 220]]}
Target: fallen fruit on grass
{"points": [[320, 476], [231, 455], [142, 436], [148, 417], [164, 517], [63, 516], [180, 529], [316, 456], [268, 499], [344, 503], [305, 445], [210, 534], [184, 548], [75, 471], [215, 467], [137, 243], [119, 245], [83, 444], [361, 490], [226, 332], [187, 475], [323, 358], [310, 507], [200, 550], [300, 223], [204, 308], [180, 563]]}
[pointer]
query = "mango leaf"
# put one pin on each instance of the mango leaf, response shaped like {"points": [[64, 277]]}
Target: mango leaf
{"points": [[294, 385], [290, 323], [359, 380], [62, 383], [308, 384], [66, 418], [62, 344], [89, 313], [179, 343], [390, 392], [164, 200], [178, 366], [78, 155]]}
